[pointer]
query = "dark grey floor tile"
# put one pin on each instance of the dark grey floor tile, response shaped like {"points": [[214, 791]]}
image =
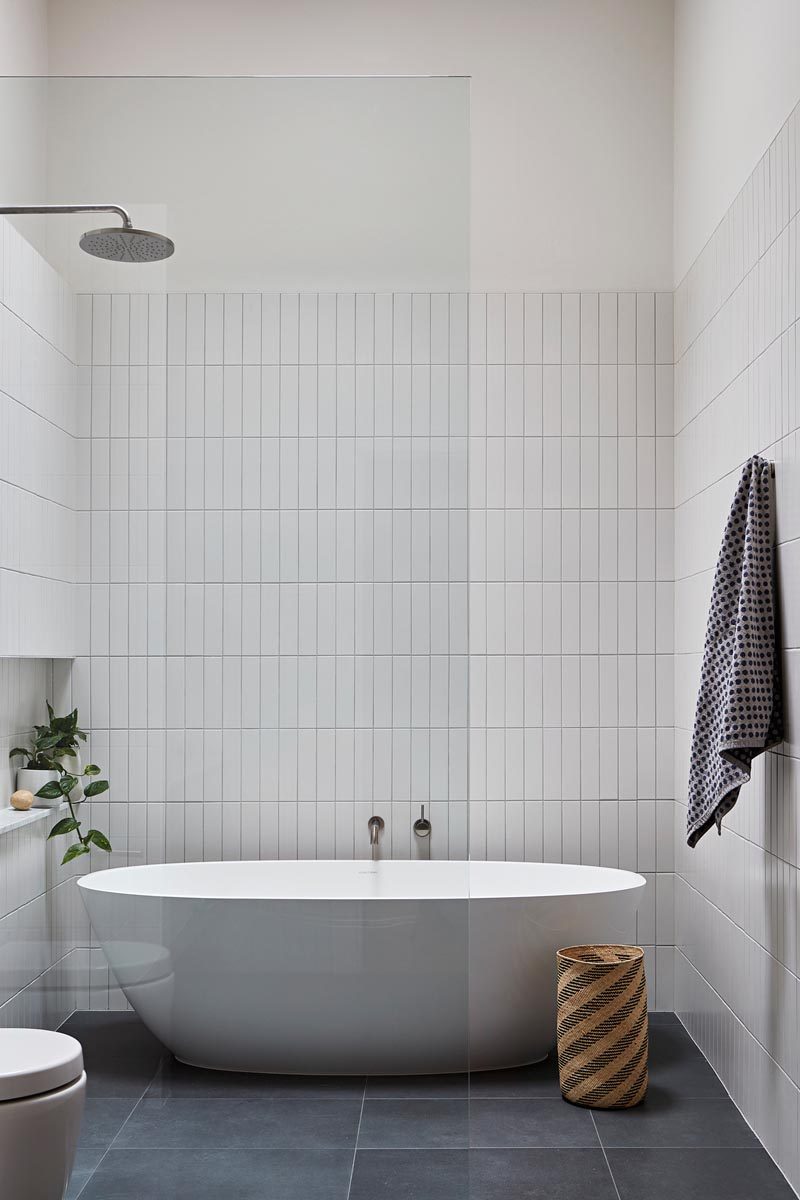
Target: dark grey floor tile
{"points": [[176, 1079], [421, 1124], [102, 1120], [697, 1175], [529, 1124], [409, 1175], [663, 1018], [540, 1079], [77, 1182], [676, 1065], [539, 1175], [288, 1124], [85, 1163], [211, 1174], [418, 1087], [120, 1055], [664, 1122]]}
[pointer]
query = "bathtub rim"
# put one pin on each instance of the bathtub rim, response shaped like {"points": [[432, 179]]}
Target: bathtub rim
{"points": [[386, 888]]}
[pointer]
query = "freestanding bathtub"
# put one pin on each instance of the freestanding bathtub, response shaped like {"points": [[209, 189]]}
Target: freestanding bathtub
{"points": [[352, 967]]}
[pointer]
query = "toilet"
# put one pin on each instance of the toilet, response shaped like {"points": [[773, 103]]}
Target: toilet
{"points": [[42, 1089]]}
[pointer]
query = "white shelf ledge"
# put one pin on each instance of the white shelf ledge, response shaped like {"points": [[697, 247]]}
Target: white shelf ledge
{"points": [[11, 818]]}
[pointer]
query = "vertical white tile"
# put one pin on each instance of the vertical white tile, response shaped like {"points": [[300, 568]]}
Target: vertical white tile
{"points": [[645, 327], [607, 328], [496, 327], [589, 328], [533, 327], [571, 328], [664, 328], [626, 327], [551, 328]]}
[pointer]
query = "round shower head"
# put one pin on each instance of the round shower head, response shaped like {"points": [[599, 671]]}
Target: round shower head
{"points": [[127, 244], [118, 244]]}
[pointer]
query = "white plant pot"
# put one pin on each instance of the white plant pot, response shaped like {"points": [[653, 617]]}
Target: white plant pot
{"points": [[32, 781]]}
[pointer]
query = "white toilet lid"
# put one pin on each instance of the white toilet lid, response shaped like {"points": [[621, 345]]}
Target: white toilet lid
{"points": [[33, 1061]]}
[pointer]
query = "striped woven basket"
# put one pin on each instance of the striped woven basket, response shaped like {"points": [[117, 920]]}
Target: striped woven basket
{"points": [[602, 1026]]}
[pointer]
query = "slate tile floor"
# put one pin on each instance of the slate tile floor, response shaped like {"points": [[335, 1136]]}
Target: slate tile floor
{"points": [[155, 1129]]}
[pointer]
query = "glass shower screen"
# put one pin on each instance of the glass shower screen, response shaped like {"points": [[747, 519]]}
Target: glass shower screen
{"points": [[273, 534]]}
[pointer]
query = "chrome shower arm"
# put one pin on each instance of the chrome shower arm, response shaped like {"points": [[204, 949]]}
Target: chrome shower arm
{"points": [[20, 210]]}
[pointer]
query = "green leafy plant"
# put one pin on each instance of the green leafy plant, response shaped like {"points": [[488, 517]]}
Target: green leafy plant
{"points": [[61, 788], [65, 730], [39, 756], [51, 743], [58, 739]]}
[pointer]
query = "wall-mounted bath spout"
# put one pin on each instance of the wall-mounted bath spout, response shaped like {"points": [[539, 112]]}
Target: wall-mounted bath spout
{"points": [[422, 826], [375, 826]]}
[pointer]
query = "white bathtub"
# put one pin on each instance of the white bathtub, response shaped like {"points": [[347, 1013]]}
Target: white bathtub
{"points": [[352, 967]]}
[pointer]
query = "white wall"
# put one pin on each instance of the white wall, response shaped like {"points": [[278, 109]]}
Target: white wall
{"points": [[571, 107], [23, 116], [295, 184], [737, 198], [23, 45], [42, 463], [737, 78], [43, 926], [738, 940]]}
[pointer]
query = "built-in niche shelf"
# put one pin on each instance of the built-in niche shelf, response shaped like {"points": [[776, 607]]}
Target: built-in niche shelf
{"points": [[11, 819]]}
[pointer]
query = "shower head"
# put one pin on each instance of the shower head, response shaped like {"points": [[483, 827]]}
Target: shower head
{"points": [[116, 244], [127, 244]]}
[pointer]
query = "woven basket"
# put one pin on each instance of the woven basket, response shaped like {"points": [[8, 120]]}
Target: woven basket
{"points": [[602, 1026]]}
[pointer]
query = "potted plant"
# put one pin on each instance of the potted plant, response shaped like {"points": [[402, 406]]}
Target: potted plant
{"points": [[55, 750], [67, 731], [52, 783], [40, 766]]}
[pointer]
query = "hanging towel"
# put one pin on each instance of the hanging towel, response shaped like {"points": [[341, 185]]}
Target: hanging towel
{"points": [[739, 710]]}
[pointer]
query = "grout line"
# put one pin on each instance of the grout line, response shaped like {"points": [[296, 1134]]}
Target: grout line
{"points": [[37, 332], [45, 891], [41, 975], [748, 366], [750, 938], [19, 487], [739, 1022], [75, 437], [119, 1131], [605, 1156], [679, 873], [752, 1036], [734, 287], [358, 1134]]}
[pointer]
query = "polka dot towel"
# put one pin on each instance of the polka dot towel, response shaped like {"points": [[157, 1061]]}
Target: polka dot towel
{"points": [[739, 711]]}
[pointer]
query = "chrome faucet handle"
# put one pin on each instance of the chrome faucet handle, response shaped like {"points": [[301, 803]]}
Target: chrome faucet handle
{"points": [[422, 826]]}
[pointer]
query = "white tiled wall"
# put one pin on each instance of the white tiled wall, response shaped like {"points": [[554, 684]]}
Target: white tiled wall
{"points": [[43, 461], [43, 932], [737, 927], [340, 541], [43, 471], [279, 572], [571, 588]]}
